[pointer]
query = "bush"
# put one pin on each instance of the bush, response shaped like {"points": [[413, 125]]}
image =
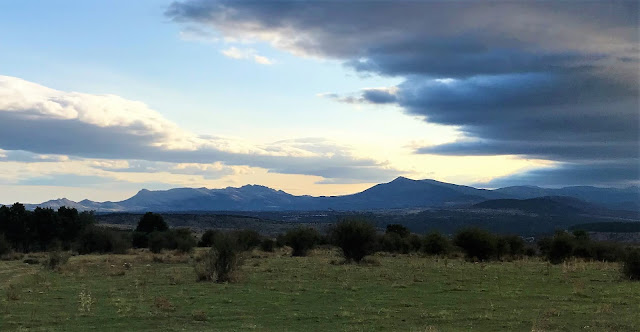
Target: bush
{"points": [[608, 252], [140, 240], [151, 222], [182, 240], [220, 262], [561, 247], [100, 240], [247, 239], [301, 240], [435, 243], [631, 265], [267, 245], [56, 259], [393, 242], [511, 245], [208, 237], [5, 246], [356, 238], [157, 242], [476, 244], [397, 229]]}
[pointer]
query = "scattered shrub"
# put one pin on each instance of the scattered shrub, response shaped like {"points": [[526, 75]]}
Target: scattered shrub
{"points": [[267, 245], [208, 237], [56, 259], [398, 229], [356, 238], [435, 243], [100, 240], [511, 245], [393, 242], [631, 265], [476, 243], [530, 251], [157, 242], [561, 248], [140, 240], [246, 239], [301, 240], [183, 240], [220, 262]]}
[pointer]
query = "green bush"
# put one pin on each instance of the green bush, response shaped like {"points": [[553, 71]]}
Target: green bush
{"points": [[301, 240], [157, 242], [356, 238], [398, 229], [247, 239], [561, 247], [220, 262], [435, 243], [511, 245], [631, 265], [476, 243], [394, 243], [56, 259], [268, 245], [95, 239], [208, 237]]}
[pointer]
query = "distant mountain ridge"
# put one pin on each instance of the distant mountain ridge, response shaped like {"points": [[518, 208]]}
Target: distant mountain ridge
{"points": [[401, 193]]}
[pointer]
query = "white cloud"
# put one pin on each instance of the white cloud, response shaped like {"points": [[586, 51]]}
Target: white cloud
{"points": [[246, 53], [110, 127]]}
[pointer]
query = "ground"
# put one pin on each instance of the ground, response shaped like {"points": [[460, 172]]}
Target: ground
{"points": [[275, 292]]}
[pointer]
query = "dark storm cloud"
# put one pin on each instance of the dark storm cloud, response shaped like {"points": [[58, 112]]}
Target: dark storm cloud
{"points": [[551, 80]]}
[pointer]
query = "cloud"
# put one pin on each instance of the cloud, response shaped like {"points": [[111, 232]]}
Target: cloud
{"points": [[247, 53], [552, 80], [51, 122]]}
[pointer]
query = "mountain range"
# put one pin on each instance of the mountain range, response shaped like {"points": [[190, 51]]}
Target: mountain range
{"points": [[401, 193]]}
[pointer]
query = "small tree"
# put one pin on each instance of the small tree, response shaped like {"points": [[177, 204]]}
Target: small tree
{"points": [[151, 222], [631, 265], [435, 243], [301, 240], [476, 243], [356, 238], [5, 246], [268, 245]]}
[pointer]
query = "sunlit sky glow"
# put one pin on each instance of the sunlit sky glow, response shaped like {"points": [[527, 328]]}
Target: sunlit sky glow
{"points": [[99, 99]]}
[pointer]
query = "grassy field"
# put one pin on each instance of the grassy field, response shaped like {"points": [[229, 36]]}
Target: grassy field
{"points": [[276, 292]]}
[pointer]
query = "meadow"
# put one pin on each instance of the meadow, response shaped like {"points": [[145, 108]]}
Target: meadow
{"points": [[276, 292]]}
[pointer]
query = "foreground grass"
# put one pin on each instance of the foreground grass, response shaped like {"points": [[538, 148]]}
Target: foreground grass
{"points": [[277, 292]]}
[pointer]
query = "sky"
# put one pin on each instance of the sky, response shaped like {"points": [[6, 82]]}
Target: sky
{"points": [[99, 99]]}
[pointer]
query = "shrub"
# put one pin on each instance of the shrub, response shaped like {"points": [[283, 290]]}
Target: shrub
{"points": [[151, 222], [301, 240], [608, 252], [631, 265], [356, 238], [561, 247], [208, 237], [247, 239], [56, 259], [398, 229], [544, 245], [157, 242], [393, 242], [220, 262], [140, 240], [5, 246], [512, 245], [476, 243], [267, 245], [182, 239], [530, 251], [435, 243], [100, 240]]}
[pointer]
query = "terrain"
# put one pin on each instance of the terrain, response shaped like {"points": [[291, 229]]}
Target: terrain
{"points": [[404, 292]]}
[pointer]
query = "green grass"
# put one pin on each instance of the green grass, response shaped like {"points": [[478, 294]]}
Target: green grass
{"points": [[281, 293]]}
